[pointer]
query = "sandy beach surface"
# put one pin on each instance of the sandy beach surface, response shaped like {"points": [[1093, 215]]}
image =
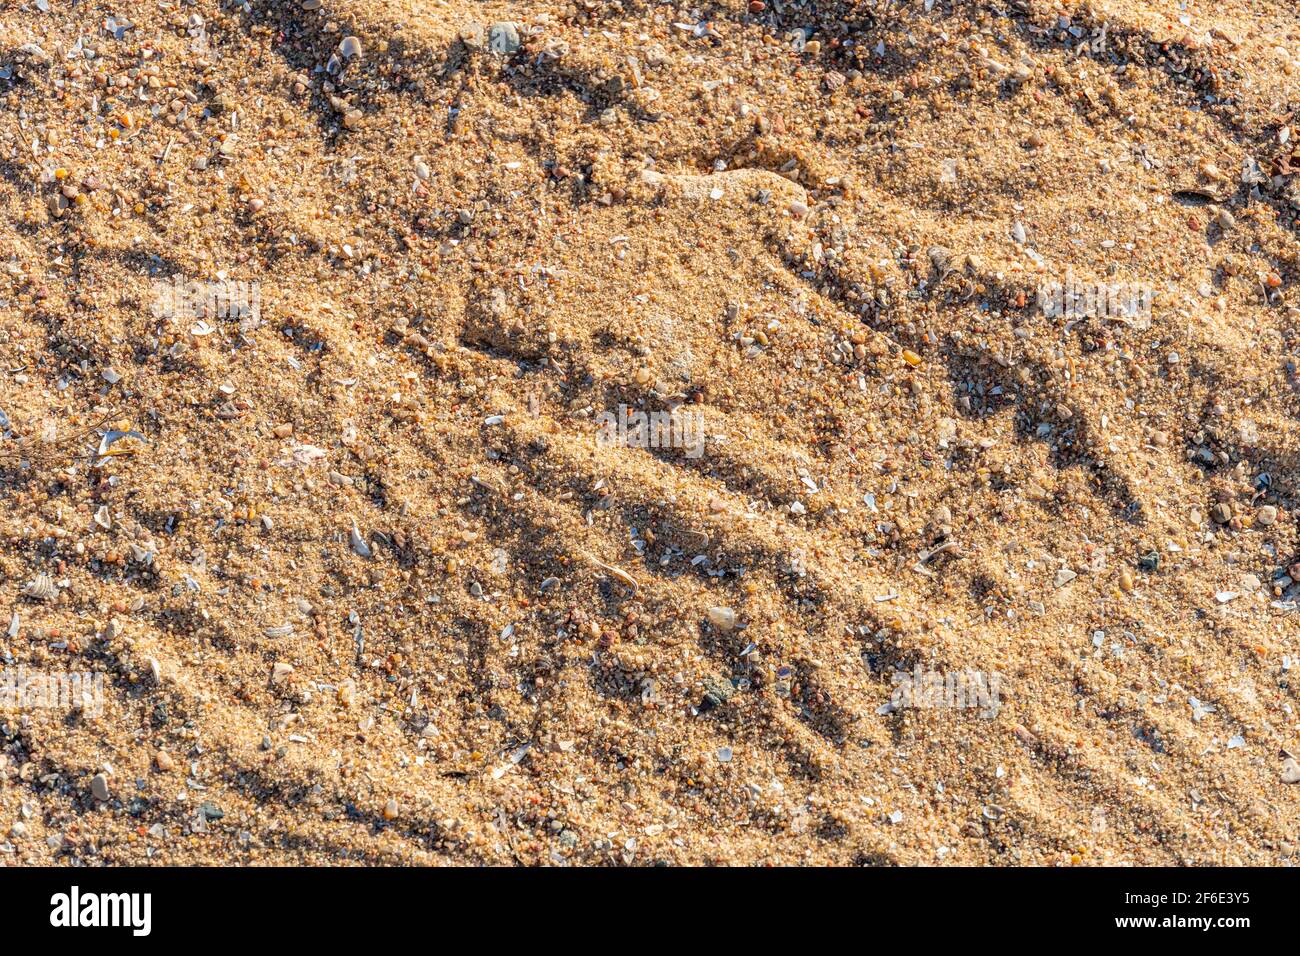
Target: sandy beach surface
{"points": [[623, 433]]}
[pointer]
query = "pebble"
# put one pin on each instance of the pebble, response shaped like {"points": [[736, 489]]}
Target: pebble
{"points": [[1064, 577], [1221, 513], [1291, 772], [1266, 516], [164, 762], [503, 37], [391, 810], [99, 786], [717, 691]]}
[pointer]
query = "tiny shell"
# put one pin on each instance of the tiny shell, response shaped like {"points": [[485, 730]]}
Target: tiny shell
{"points": [[350, 47], [114, 435], [723, 618], [359, 543], [41, 588]]}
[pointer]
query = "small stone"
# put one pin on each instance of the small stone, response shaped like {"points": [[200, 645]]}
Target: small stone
{"points": [[164, 762], [717, 691], [1221, 513], [99, 786], [1125, 581], [1064, 577], [503, 37], [1291, 772], [211, 811], [1266, 516], [280, 672], [391, 810], [18, 831], [1149, 562]]}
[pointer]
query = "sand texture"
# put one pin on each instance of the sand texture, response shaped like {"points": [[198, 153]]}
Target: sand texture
{"points": [[367, 582]]}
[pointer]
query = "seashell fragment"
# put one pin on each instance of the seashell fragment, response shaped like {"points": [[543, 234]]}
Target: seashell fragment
{"points": [[41, 588], [350, 47], [359, 543], [723, 618]]}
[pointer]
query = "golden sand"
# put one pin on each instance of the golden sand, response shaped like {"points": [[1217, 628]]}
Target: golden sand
{"points": [[377, 587]]}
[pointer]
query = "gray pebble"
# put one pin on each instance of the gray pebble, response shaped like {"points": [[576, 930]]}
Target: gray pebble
{"points": [[503, 37]]}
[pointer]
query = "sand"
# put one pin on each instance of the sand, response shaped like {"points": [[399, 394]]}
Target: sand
{"points": [[372, 583]]}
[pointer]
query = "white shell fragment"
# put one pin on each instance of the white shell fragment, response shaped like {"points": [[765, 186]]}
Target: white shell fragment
{"points": [[723, 618], [359, 543], [41, 588], [113, 435]]}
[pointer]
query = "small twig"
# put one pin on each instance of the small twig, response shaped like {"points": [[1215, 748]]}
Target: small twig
{"points": [[618, 573], [47, 452]]}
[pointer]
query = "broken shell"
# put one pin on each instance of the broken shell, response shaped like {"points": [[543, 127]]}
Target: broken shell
{"points": [[280, 672], [41, 588], [113, 436], [723, 618], [350, 47], [359, 543]]}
